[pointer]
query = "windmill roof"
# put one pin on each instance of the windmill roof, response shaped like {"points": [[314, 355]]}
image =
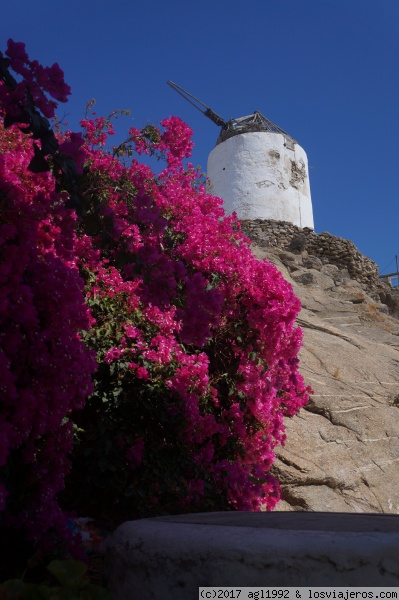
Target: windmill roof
{"points": [[254, 122]]}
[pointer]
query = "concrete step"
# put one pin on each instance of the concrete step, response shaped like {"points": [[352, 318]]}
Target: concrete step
{"points": [[170, 557]]}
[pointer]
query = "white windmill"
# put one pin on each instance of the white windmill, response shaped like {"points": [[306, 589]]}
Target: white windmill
{"points": [[258, 169]]}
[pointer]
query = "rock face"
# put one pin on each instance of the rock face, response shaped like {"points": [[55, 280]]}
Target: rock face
{"points": [[342, 450]]}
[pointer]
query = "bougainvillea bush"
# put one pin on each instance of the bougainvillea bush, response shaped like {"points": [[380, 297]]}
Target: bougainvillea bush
{"points": [[45, 369], [194, 338]]}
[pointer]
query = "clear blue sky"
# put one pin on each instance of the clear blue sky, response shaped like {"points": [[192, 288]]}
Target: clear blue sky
{"points": [[326, 71]]}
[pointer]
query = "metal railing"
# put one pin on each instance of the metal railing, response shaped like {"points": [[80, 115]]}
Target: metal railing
{"points": [[391, 278]]}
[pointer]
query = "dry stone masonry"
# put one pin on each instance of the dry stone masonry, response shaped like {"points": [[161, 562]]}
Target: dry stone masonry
{"points": [[317, 251], [329, 248]]}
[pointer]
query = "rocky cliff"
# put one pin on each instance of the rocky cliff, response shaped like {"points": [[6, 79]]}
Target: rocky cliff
{"points": [[342, 450]]}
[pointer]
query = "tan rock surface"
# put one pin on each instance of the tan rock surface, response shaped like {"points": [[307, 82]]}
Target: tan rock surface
{"points": [[342, 450]]}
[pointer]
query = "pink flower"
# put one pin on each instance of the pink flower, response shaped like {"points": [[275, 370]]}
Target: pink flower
{"points": [[132, 332], [16, 51], [112, 355], [142, 373], [73, 149]]}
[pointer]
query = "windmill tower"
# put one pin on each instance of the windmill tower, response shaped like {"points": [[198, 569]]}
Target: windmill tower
{"points": [[258, 169]]}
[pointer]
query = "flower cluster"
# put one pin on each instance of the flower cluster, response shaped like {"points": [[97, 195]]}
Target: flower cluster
{"points": [[36, 82], [195, 340], [45, 369]]}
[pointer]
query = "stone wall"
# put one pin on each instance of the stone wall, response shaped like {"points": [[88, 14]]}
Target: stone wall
{"points": [[329, 248]]}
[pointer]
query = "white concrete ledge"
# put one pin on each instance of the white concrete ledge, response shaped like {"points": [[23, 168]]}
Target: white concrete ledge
{"points": [[169, 558]]}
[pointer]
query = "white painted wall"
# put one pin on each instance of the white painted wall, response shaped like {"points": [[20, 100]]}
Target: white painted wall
{"points": [[259, 177]]}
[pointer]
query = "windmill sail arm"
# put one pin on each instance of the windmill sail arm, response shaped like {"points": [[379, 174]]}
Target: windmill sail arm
{"points": [[206, 110], [214, 117]]}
